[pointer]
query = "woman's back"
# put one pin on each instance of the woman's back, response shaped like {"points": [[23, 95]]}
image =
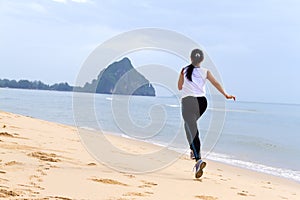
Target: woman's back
{"points": [[196, 87]]}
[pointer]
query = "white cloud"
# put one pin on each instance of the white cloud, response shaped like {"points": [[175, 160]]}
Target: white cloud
{"points": [[80, 1], [38, 7], [20, 8], [231, 31], [76, 1], [60, 1]]}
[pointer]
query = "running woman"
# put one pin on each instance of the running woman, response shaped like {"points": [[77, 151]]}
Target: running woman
{"points": [[192, 82]]}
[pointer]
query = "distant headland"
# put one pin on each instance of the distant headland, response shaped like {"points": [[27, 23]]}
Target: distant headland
{"points": [[131, 82], [34, 85]]}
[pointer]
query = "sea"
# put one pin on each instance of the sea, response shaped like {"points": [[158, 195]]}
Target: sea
{"points": [[263, 137]]}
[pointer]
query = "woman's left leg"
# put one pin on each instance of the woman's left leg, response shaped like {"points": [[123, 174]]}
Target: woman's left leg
{"points": [[190, 112]]}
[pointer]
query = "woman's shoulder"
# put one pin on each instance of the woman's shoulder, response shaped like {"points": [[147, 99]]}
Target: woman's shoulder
{"points": [[203, 69]]}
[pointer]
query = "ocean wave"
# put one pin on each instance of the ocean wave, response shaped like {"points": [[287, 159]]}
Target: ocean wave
{"points": [[232, 110], [285, 173], [218, 109], [172, 105], [87, 128]]}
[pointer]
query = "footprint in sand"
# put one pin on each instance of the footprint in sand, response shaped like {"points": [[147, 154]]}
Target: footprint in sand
{"points": [[270, 188], [42, 173], [268, 182], [36, 186], [14, 127], [129, 175], [31, 189], [206, 197], [147, 184], [3, 180], [108, 181], [11, 135], [137, 194], [4, 193], [51, 157], [268, 185], [6, 134], [11, 163], [58, 198], [92, 164], [243, 193], [37, 178], [283, 197], [149, 192]]}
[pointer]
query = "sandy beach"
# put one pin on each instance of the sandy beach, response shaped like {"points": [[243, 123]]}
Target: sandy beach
{"points": [[45, 160]]}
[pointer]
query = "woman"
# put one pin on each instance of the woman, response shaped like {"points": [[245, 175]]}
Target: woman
{"points": [[192, 82]]}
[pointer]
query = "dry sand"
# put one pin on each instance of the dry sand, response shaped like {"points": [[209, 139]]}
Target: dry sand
{"points": [[44, 160]]}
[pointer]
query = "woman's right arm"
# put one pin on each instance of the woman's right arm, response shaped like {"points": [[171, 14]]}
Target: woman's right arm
{"points": [[217, 85], [180, 80]]}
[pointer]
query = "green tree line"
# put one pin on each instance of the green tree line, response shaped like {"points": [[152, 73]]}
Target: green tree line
{"points": [[35, 85]]}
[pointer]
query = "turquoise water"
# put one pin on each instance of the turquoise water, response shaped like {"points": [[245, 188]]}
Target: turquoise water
{"points": [[260, 136]]}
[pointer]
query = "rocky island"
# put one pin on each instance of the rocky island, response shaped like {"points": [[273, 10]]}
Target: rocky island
{"points": [[120, 78]]}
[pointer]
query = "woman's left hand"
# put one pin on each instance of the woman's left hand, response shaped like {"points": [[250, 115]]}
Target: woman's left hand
{"points": [[230, 97]]}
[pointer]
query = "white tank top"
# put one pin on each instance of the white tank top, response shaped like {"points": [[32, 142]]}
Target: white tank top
{"points": [[196, 87]]}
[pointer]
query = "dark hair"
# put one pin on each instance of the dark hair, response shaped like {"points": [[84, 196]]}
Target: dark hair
{"points": [[197, 57]]}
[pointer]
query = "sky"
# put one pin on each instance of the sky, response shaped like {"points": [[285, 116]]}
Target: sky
{"points": [[254, 44]]}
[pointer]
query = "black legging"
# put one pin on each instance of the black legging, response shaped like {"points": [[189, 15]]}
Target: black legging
{"points": [[192, 109]]}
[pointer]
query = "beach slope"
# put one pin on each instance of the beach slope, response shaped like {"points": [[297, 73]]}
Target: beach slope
{"points": [[45, 160]]}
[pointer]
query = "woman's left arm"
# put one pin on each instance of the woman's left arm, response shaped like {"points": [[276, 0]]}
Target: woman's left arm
{"points": [[217, 85]]}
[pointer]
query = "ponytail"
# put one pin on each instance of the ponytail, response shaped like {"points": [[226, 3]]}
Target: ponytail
{"points": [[189, 72]]}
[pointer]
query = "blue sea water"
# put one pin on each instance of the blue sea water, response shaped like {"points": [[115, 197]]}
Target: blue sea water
{"points": [[258, 136]]}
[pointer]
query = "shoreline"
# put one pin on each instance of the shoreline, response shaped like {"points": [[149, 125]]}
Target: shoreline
{"points": [[212, 160], [46, 160], [218, 157]]}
